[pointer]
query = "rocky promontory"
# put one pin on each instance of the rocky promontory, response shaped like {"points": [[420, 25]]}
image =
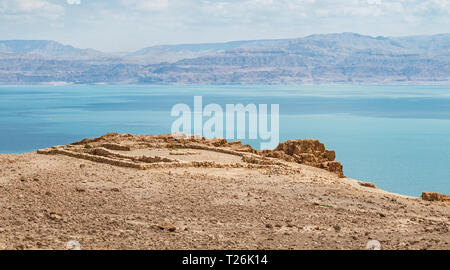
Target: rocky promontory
{"points": [[122, 191], [308, 152]]}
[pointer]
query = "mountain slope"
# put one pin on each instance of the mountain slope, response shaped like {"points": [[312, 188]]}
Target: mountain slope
{"points": [[331, 58], [48, 49], [42, 61], [334, 58], [173, 53]]}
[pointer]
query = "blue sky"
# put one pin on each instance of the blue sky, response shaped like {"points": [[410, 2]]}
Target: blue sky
{"points": [[126, 25]]}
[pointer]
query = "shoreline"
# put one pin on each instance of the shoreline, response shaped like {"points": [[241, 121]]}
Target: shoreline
{"points": [[59, 84]]}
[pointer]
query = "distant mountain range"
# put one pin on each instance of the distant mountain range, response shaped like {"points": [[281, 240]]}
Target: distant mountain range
{"points": [[331, 58], [46, 48]]}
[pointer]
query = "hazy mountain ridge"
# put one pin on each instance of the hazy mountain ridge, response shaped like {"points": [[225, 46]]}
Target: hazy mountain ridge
{"points": [[332, 58], [335, 58], [48, 49], [173, 53]]}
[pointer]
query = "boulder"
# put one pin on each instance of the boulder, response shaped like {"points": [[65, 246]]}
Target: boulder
{"points": [[434, 196]]}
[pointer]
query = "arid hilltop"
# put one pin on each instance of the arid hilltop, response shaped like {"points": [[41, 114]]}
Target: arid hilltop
{"points": [[158, 192]]}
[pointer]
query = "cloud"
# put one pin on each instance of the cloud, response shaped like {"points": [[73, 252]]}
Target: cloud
{"points": [[73, 2], [40, 8], [146, 5], [124, 24]]}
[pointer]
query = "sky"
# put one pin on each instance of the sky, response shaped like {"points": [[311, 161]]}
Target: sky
{"points": [[129, 25]]}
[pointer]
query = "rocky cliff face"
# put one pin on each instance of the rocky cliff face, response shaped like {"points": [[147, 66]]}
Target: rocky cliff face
{"points": [[26, 70]]}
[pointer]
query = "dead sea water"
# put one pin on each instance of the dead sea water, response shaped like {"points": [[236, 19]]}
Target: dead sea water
{"points": [[397, 137]]}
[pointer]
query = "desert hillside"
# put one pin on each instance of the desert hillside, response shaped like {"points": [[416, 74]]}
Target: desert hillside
{"points": [[157, 192]]}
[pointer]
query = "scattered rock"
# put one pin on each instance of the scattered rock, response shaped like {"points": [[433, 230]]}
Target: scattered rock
{"points": [[55, 217], [118, 147], [367, 184], [115, 189], [165, 226]]}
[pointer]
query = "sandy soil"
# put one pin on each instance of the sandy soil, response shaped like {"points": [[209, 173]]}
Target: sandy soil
{"points": [[240, 200]]}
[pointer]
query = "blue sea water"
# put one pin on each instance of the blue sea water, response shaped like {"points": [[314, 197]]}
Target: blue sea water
{"points": [[397, 137]]}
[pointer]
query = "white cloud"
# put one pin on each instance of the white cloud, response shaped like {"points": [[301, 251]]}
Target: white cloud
{"points": [[73, 2], [147, 5], [326, 8], [125, 24], [41, 8]]}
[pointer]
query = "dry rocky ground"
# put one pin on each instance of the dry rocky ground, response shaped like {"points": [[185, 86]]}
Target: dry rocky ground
{"points": [[155, 192]]}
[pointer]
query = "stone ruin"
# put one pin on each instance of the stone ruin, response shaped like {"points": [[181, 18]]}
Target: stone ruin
{"points": [[115, 149], [308, 152]]}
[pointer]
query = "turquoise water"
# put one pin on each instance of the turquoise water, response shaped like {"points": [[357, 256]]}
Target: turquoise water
{"points": [[397, 137]]}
